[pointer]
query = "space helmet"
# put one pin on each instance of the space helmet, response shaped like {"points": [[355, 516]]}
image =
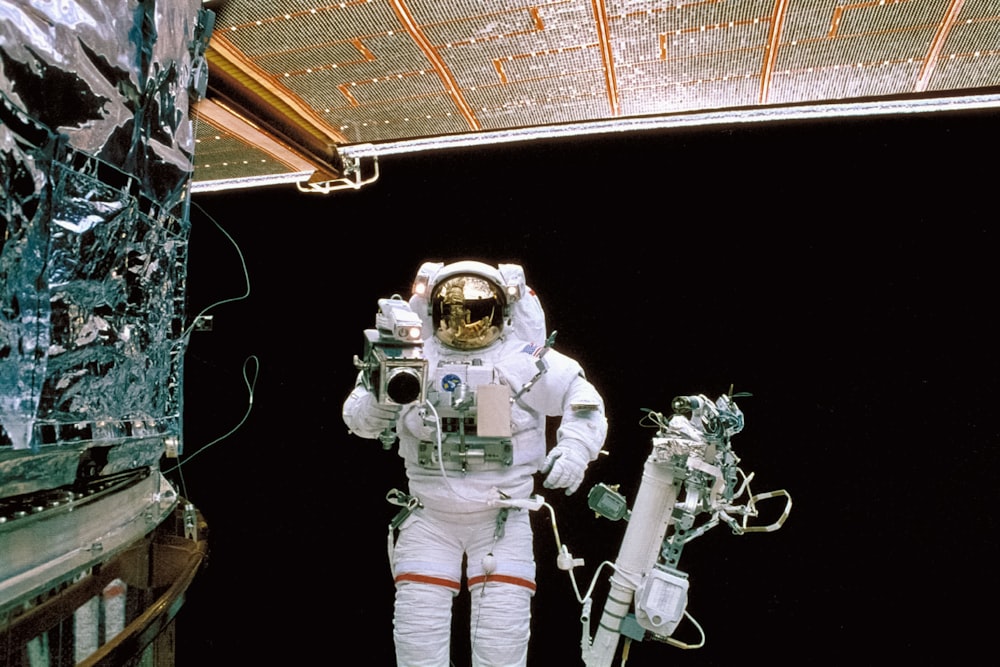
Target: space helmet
{"points": [[468, 305]]}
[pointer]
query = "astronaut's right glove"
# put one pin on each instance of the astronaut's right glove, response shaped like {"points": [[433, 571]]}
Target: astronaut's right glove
{"points": [[565, 466], [417, 423], [366, 417]]}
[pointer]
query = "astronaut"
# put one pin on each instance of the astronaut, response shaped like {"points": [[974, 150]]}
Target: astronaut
{"points": [[476, 441]]}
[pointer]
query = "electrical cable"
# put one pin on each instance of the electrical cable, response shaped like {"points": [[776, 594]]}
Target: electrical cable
{"points": [[246, 275], [187, 332], [250, 389]]}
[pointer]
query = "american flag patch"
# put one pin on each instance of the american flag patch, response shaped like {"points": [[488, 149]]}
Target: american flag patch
{"points": [[532, 349]]}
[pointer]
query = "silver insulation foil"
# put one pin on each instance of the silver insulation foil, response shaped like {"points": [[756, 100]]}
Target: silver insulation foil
{"points": [[96, 161]]}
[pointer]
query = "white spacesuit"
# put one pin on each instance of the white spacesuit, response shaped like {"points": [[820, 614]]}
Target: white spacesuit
{"points": [[478, 438]]}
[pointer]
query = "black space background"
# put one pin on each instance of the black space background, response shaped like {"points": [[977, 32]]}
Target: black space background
{"points": [[843, 272]]}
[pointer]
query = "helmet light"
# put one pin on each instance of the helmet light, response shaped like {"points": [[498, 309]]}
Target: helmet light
{"points": [[420, 285]]}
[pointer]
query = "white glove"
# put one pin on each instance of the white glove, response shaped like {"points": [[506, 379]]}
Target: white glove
{"points": [[372, 416], [565, 466], [417, 424]]}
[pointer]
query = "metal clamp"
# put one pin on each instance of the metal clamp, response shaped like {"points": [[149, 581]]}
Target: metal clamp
{"points": [[406, 502]]}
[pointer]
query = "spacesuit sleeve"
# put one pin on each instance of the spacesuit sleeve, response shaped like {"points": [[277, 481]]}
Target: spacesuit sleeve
{"points": [[563, 391], [583, 418]]}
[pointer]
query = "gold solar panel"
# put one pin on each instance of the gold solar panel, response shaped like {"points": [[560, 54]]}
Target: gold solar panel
{"points": [[377, 71]]}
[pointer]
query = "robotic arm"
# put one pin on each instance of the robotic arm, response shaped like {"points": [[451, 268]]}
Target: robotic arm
{"points": [[691, 472]]}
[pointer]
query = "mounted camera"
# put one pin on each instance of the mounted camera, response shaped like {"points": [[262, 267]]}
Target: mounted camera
{"points": [[393, 367]]}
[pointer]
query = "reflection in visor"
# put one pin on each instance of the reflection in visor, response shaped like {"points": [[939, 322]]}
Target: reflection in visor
{"points": [[468, 312]]}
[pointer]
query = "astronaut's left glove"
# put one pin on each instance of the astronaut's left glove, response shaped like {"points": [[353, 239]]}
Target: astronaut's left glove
{"points": [[565, 466]]}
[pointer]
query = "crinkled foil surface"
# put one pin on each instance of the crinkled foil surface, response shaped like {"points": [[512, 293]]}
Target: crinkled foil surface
{"points": [[96, 154]]}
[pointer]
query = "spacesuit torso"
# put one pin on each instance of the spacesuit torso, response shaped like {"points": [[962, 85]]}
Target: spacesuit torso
{"points": [[491, 405]]}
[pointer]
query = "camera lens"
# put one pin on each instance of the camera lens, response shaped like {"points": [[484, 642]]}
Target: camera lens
{"points": [[403, 385]]}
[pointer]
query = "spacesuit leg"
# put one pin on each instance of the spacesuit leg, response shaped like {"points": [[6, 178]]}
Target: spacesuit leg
{"points": [[501, 599], [422, 624], [427, 562]]}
